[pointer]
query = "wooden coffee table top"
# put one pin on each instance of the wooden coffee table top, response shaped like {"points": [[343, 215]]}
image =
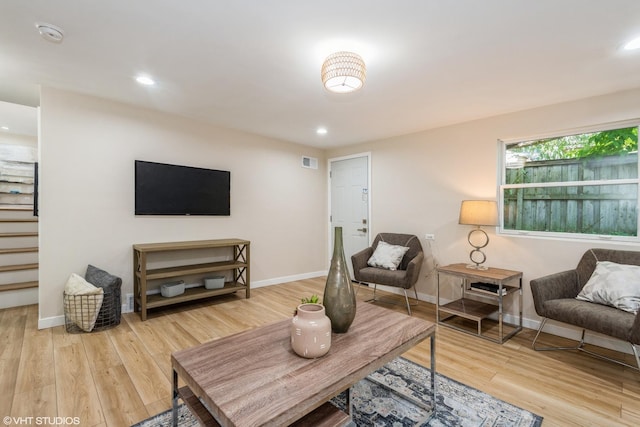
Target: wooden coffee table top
{"points": [[254, 378]]}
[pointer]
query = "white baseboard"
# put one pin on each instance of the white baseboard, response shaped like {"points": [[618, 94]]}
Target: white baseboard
{"points": [[50, 322], [285, 279]]}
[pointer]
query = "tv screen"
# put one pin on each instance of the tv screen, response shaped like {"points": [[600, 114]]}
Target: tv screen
{"points": [[163, 189]]}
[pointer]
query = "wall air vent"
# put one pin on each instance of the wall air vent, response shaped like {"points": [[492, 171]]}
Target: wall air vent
{"points": [[309, 162]]}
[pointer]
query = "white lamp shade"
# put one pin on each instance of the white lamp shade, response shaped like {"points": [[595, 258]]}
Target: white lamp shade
{"points": [[343, 72], [478, 212]]}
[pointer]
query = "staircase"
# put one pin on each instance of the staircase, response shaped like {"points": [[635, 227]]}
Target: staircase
{"points": [[18, 257]]}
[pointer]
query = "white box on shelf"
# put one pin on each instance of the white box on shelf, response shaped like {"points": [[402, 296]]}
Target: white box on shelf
{"points": [[172, 289], [214, 282]]}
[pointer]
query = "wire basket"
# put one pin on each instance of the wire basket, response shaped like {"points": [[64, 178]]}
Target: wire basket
{"points": [[109, 315], [90, 313]]}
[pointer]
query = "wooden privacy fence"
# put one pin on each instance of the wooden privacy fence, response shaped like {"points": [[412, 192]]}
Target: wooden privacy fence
{"points": [[607, 209]]}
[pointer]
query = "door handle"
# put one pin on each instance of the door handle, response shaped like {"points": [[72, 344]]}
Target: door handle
{"points": [[364, 230]]}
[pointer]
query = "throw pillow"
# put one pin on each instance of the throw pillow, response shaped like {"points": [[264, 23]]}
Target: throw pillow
{"points": [[109, 314], [101, 278], [616, 285], [82, 302], [387, 256]]}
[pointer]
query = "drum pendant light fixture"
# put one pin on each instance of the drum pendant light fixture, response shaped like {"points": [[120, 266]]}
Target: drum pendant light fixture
{"points": [[343, 72]]}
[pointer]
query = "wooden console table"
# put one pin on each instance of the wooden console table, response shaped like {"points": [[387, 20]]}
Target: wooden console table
{"points": [[254, 378], [239, 265], [508, 282]]}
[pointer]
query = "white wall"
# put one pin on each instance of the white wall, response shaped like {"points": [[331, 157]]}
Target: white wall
{"points": [[419, 180], [88, 147]]}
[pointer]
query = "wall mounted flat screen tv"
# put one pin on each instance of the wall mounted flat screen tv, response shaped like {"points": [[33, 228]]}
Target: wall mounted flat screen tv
{"points": [[164, 189]]}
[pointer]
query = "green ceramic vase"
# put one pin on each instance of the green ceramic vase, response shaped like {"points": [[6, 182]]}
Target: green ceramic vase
{"points": [[339, 296]]}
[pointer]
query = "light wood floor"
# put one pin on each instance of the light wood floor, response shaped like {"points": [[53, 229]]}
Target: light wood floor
{"points": [[121, 376]]}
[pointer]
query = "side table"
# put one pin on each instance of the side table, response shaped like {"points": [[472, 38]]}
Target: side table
{"points": [[507, 282]]}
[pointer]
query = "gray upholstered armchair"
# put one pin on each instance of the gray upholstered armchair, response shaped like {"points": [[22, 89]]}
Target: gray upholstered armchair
{"points": [[554, 297], [404, 277]]}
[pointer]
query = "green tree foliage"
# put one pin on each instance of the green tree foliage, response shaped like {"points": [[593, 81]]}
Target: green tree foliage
{"points": [[605, 143], [617, 141]]}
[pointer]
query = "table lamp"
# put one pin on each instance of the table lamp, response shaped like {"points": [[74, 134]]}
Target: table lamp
{"points": [[478, 213]]}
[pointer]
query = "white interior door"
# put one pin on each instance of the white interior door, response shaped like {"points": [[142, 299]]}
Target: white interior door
{"points": [[350, 203]]}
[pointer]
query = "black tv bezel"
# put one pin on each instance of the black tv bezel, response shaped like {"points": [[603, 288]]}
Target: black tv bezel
{"points": [[181, 212]]}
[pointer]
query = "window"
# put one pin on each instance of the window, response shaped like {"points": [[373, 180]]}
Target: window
{"points": [[581, 185]]}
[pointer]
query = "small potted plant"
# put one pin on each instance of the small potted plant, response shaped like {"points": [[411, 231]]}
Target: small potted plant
{"points": [[313, 299]]}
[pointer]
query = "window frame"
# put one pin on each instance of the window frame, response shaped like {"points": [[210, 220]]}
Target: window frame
{"points": [[502, 186]]}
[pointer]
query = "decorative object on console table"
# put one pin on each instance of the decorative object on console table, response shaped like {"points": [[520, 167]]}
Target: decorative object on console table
{"points": [[488, 287], [311, 331], [172, 289], [339, 297], [214, 282], [478, 212]]}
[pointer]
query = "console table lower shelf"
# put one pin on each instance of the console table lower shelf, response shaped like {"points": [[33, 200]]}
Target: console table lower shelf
{"points": [[282, 388], [154, 301], [469, 309]]}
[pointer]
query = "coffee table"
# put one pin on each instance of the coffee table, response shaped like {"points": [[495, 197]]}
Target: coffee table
{"points": [[253, 378]]}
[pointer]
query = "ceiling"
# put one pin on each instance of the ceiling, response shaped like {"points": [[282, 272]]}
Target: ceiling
{"points": [[254, 65]]}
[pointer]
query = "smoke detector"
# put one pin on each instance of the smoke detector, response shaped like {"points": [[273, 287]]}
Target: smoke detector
{"points": [[50, 32]]}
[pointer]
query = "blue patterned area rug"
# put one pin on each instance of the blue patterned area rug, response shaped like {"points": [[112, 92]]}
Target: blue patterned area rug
{"points": [[398, 395]]}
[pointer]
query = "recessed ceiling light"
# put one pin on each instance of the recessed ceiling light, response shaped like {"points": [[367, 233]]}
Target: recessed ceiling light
{"points": [[633, 44], [145, 80], [321, 131], [4, 128]]}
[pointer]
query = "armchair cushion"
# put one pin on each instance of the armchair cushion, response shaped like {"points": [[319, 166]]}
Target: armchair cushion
{"points": [[397, 278], [387, 256], [595, 317], [616, 285]]}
